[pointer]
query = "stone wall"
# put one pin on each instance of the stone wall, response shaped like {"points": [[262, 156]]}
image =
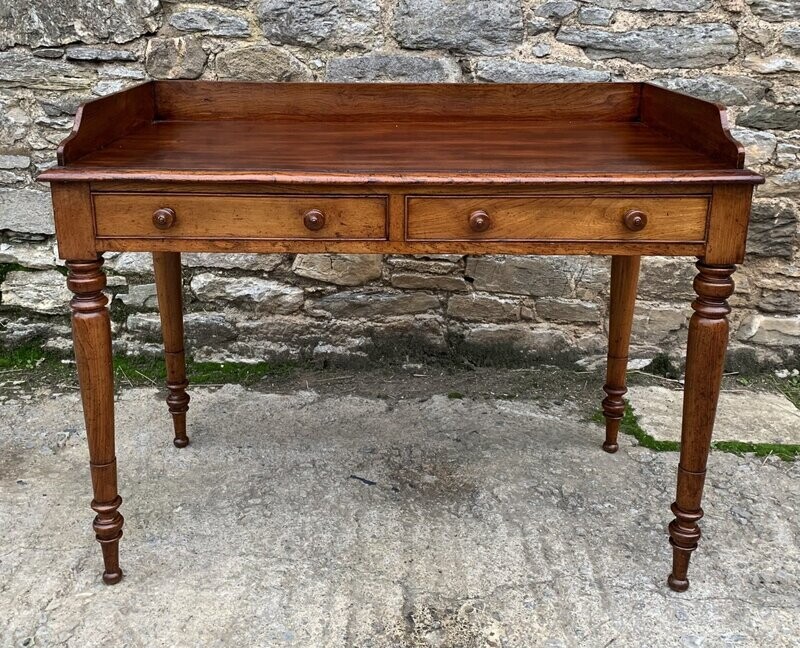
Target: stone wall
{"points": [[55, 54]]}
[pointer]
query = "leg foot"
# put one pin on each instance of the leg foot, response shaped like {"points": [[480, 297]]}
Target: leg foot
{"points": [[91, 331], [167, 266], [624, 280], [705, 359]]}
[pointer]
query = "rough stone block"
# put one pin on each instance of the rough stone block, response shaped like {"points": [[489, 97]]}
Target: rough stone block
{"points": [[394, 67], [20, 69], [14, 161], [266, 295], [175, 58], [58, 22], [340, 269], [26, 210], [514, 71], [260, 63], [655, 323], [759, 145], [768, 117], [483, 308], [523, 338], [85, 53], [727, 90], [321, 23], [775, 10], [770, 330], [598, 16], [686, 6], [687, 46], [535, 276], [772, 64], [232, 261], [465, 26], [210, 21], [414, 281], [556, 9], [43, 292], [37, 256], [373, 303], [568, 310]]}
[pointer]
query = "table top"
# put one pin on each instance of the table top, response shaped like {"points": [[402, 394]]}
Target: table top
{"points": [[402, 133]]}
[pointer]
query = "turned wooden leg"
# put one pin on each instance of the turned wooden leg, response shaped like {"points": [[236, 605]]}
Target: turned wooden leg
{"points": [[705, 359], [91, 332], [624, 279], [167, 266]]}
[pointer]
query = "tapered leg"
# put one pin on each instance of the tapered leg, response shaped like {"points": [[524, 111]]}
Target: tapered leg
{"points": [[91, 332], [624, 280], [705, 359], [167, 266]]}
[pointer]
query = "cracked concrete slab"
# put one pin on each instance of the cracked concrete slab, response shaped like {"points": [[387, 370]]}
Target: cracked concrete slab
{"points": [[309, 520], [753, 417]]}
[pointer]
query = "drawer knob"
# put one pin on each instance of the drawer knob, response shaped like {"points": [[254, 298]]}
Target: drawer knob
{"points": [[164, 218], [635, 220], [314, 220], [479, 221]]}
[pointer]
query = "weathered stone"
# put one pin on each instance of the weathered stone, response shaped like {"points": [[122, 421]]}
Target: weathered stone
{"points": [[783, 184], [42, 292], [568, 310], [140, 296], [37, 256], [655, 323], [759, 145], [655, 5], [340, 269], [266, 295], [208, 328], [730, 91], [14, 161], [788, 154], [373, 303], [765, 418], [536, 276], [49, 52], [538, 26], [688, 46], [130, 262], [775, 10], [175, 58], [522, 338], [770, 330], [232, 261], [58, 22], [541, 50], [84, 53], [466, 26], [26, 210], [772, 64], [768, 117], [261, 63], [20, 69], [514, 71], [211, 21], [321, 23], [791, 37], [666, 278], [772, 231], [394, 67], [556, 9], [598, 16], [779, 301], [414, 281], [426, 266], [483, 308]]}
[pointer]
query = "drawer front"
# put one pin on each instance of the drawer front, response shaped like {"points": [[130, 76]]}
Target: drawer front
{"points": [[548, 218], [194, 216]]}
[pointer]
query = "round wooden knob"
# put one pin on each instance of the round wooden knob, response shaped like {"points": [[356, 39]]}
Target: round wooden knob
{"points": [[314, 219], [479, 221], [635, 220], [164, 218]]}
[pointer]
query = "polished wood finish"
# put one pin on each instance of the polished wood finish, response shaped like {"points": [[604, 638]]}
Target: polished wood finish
{"points": [[705, 360], [545, 219], [169, 287], [224, 216], [624, 169], [91, 332], [624, 281]]}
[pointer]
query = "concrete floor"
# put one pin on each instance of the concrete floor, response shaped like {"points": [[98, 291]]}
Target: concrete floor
{"points": [[482, 523]]}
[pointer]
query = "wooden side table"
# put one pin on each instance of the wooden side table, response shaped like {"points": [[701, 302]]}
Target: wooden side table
{"points": [[623, 169]]}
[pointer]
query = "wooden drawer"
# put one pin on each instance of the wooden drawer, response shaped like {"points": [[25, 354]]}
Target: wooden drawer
{"points": [[553, 218], [199, 216]]}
